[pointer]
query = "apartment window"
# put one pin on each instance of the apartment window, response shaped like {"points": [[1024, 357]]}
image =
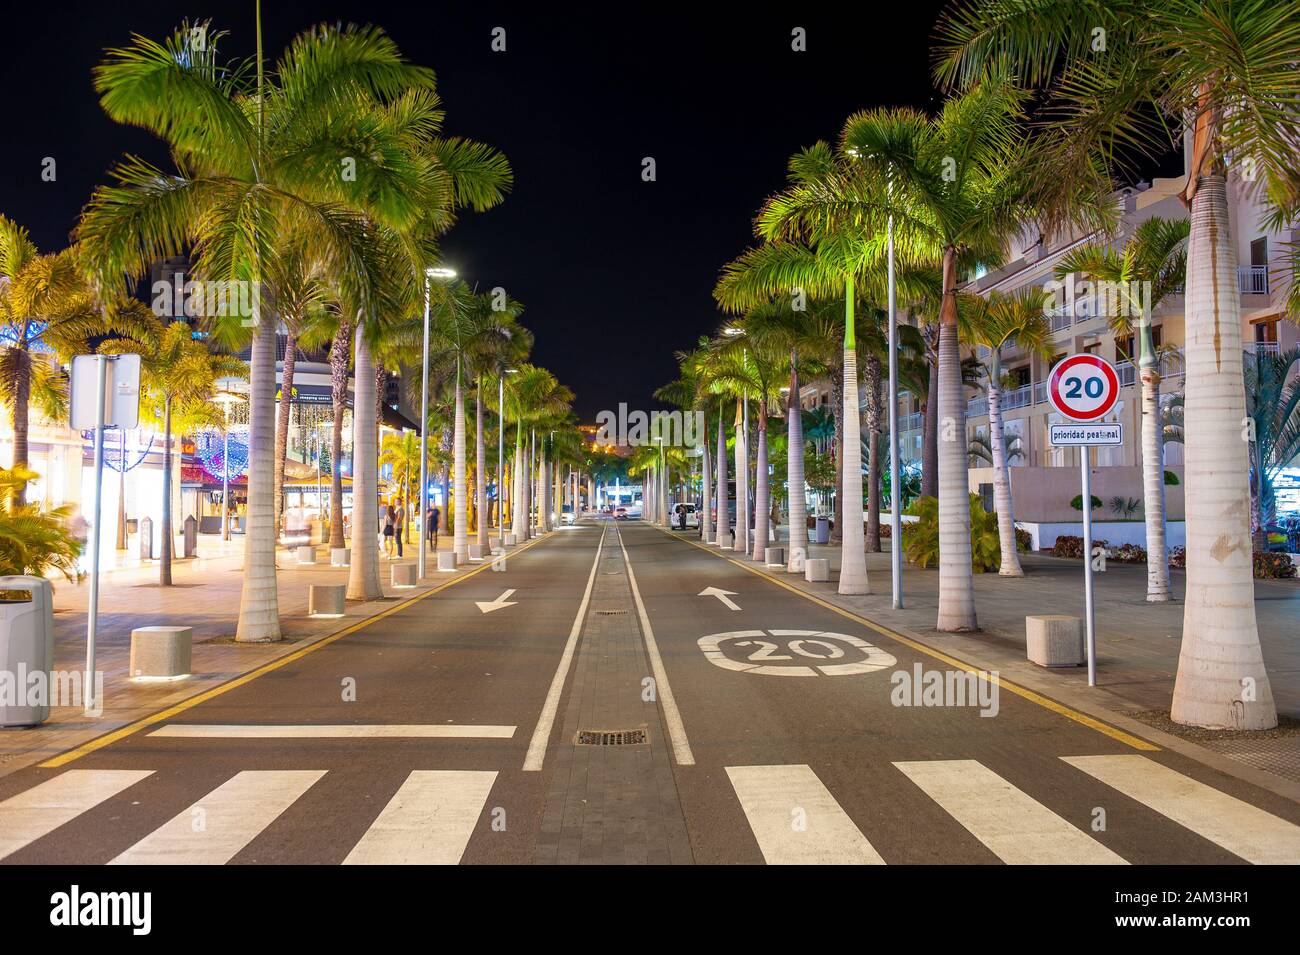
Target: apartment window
{"points": [[1259, 251], [1266, 332], [1019, 376]]}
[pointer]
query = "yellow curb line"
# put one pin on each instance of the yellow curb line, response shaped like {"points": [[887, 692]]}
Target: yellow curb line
{"points": [[1024, 692], [100, 742]]}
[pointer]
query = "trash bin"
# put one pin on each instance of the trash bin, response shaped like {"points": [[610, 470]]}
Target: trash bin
{"points": [[26, 647], [823, 531]]}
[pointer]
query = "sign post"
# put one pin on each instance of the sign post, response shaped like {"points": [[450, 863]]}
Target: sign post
{"points": [[1085, 389], [104, 392]]}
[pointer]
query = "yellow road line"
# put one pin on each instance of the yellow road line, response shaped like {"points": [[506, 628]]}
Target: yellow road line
{"points": [[99, 742], [1024, 692]]}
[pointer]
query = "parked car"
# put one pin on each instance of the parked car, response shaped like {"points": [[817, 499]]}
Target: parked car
{"points": [[620, 513], [566, 514], [688, 511]]}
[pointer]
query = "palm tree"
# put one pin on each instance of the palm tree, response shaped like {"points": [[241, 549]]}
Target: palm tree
{"points": [[401, 452], [258, 160], [1223, 73], [178, 377], [33, 541], [1151, 266], [959, 186], [1273, 408], [996, 322], [690, 393], [46, 306]]}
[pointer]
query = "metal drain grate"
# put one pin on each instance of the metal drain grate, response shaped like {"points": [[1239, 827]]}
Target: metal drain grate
{"points": [[611, 737], [609, 613]]}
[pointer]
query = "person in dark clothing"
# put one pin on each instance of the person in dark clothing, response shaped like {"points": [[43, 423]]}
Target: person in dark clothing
{"points": [[431, 527]]}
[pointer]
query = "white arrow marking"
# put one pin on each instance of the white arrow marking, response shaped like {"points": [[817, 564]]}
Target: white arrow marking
{"points": [[723, 595], [487, 606]]}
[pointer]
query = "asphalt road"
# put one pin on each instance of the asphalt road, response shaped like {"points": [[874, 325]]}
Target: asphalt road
{"points": [[608, 711]]}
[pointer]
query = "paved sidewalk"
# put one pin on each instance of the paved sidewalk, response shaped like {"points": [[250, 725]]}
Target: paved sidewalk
{"points": [[204, 595], [1137, 642]]}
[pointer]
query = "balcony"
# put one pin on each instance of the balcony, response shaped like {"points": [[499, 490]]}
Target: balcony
{"points": [[909, 422], [1252, 279]]}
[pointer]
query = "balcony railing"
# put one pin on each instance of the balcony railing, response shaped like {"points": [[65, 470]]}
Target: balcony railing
{"points": [[1262, 348], [910, 422], [1040, 392], [1020, 397], [977, 406], [1127, 373], [1252, 279]]}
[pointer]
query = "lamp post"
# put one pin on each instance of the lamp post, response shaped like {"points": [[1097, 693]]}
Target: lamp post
{"points": [[226, 399], [429, 275]]}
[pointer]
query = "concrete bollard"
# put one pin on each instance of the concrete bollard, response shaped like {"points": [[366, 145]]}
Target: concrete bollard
{"points": [[340, 556], [775, 557], [326, 600], [510, 540], [403, 575], [446, 560], [475, 551], [306, 554], [1054, 640], [817, 569], [161, 651]]}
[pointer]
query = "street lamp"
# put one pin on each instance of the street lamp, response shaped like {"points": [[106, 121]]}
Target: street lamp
{"points": [[742, 452], [442, 274], [226, 399]]}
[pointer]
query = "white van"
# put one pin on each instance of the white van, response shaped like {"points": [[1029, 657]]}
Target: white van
{"points": [[692, 515]]}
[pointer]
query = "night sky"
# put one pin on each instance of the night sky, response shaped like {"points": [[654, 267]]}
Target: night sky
{"points": [[615, 273]]}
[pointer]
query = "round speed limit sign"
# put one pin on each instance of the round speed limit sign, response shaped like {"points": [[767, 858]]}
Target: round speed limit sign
{"points": [[1083, 387]]}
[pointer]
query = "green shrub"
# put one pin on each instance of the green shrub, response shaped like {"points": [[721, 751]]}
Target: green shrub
{"points": [[1024, 540], [1178, 557], [1071, 545], [34, 541], [1130, 554], [921, 538], [1171, 479], [1273, 565], [1076, 502]]}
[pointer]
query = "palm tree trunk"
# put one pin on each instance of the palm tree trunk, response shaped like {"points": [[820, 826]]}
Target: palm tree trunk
{"points": [[795, 475], [259, 613], [837, 403], [518, 521], [480, 463], [853, 556], [930, 438], [723, 538], [706, 482], [19, 413], [1010, 560], [339, 350], [165, 552], [461, 536], [121, 491], [363, 576], [872, 381], [1221, 680], [762, 490], [956, 583], [282, 421], [1153, 474]]}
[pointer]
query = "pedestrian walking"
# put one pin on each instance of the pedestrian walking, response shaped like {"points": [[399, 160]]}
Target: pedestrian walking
{"points": [[431, 527], [390, 521], [399, 527]]}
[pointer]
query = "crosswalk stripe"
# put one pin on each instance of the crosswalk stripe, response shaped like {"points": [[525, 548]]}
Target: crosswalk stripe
{"points": [[427, 822], [1014, 826], [327, 731], [796, 820], [43, 808], [1244, 830], [215, 828]]}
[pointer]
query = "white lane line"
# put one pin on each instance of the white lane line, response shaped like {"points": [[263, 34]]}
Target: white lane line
{"points": [[1017, 828], [42, 809], [215, 828], [427, 822], [341, 731], [672, 716], [542, 732], [1255, 835], [796, 820]]}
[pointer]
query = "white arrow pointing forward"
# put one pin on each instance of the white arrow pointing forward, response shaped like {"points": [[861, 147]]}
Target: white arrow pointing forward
{"points": [[487, 606], [723, 595]]}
